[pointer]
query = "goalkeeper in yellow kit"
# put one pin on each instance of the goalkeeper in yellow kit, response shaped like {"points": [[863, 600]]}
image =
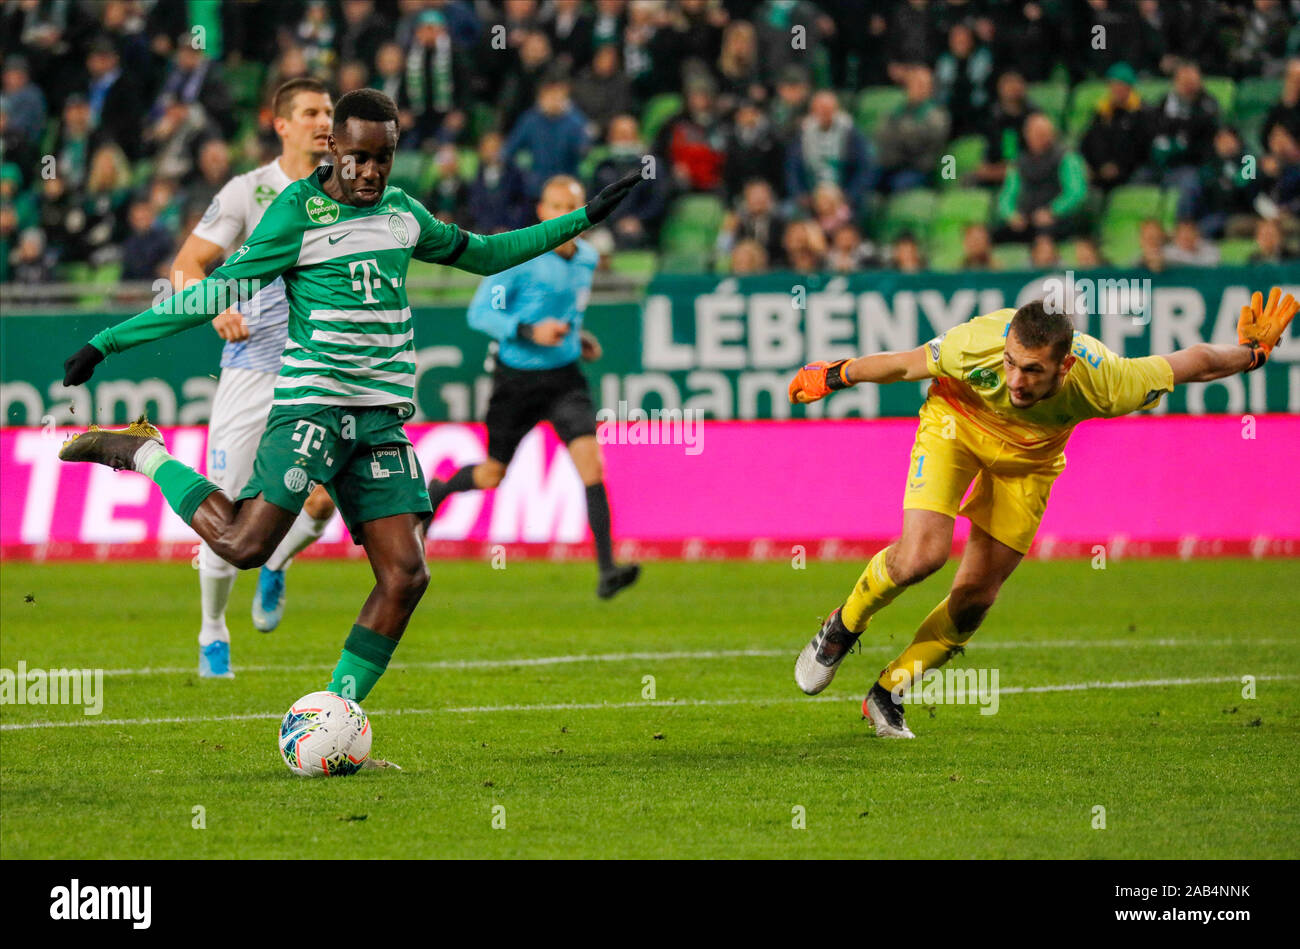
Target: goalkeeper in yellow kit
{"points": [[1008, 389]]}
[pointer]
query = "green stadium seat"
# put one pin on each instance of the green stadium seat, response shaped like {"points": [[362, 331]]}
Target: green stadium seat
{"points": [[875, 103], [685, 263], [1134, 203], [909, 211], [1083, 105], [945, 249], [1051, 97], [1012, 256], [408, 171], [658, 111], [1152, 91], [692, 227], [1224, 90], [967, 152], [634, 263], [962, 206], [1119, 242], [1236, 250], [1255, 96]]}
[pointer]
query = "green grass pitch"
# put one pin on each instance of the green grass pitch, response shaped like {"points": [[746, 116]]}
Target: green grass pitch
{"points": [[726, 761]]}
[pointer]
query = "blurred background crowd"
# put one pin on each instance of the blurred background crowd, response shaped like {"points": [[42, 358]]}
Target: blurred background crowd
{"points": [[809, 135]]}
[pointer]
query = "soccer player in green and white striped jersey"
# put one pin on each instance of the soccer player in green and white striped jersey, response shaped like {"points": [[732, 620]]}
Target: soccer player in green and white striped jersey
{"points": [[342, 240]]}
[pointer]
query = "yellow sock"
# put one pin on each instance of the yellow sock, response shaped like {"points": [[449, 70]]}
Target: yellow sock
{"points": [[935, 643], [873, 592]]}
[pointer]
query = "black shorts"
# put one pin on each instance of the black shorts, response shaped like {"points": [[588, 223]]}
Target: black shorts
{"points": [[523, 397]]}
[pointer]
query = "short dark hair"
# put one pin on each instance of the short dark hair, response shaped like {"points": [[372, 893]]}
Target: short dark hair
{"points": [[282, 101], [1036, 326], [369, 105]]}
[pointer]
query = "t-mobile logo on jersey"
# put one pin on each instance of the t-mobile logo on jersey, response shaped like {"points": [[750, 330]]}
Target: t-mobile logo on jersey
{"points": [[309, 439], [365, 284]]}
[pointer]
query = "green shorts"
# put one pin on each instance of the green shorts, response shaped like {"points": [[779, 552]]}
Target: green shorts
{"points": [[360, 454]]}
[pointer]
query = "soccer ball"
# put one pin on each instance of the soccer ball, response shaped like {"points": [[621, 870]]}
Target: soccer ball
{"points": [[324, 735]]}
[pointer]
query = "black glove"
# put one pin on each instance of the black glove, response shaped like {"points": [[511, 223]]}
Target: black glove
{"points": [[598, 208], [80, 366]]}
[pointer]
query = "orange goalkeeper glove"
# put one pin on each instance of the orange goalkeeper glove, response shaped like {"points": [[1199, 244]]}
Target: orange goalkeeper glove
{"points": [[818, 380], [1262, 325]]}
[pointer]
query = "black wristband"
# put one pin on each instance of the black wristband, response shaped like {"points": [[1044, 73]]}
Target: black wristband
{"points": [[835, 376], [524, 331]]}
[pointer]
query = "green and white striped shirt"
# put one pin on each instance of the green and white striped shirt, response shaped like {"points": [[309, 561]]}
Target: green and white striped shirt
{"points": [[351, 339]]}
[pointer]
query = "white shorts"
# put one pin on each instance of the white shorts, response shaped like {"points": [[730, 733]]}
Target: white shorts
{"points": [[239, 411]]}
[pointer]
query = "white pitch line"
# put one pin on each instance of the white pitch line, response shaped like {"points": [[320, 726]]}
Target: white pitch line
{"points": [[662, 703], [717, 654]]}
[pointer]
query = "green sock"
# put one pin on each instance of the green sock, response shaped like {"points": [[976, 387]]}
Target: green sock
{"points": [[365, 657], [183, 487]]}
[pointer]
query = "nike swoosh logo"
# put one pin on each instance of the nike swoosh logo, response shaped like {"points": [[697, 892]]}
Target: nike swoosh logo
{"points": [[335, 240]]}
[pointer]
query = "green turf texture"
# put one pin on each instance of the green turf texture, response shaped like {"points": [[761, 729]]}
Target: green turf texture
{"points": [[1182, 771]]}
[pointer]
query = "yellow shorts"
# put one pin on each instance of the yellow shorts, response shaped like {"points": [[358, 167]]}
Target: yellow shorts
{"points": [[1010, 489]]}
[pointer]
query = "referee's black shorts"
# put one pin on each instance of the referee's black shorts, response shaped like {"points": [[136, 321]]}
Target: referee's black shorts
{"points": [[523, 397]]}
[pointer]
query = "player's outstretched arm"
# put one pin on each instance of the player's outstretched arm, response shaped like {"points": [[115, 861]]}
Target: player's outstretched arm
{"points": [[819, 379], [1258, 331], [493, 253]]}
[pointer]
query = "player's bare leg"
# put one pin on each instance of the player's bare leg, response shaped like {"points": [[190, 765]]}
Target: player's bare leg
{"points": [[922, 548], [307, 528], [985, 565], [587, 458], [395, 547]]}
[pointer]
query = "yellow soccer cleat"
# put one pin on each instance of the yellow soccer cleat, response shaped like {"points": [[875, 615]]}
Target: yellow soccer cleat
{"points": [[115, 447], [1262, 324]]}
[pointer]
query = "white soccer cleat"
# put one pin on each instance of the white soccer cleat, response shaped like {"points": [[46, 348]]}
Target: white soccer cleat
{"points": [[817, 662], [885, 713]]}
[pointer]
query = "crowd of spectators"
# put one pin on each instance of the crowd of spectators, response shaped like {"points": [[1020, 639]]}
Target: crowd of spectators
{"points": [[119, 119]]}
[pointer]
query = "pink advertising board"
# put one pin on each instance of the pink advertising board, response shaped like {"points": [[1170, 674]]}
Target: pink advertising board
{"points": [[1182, 485]]}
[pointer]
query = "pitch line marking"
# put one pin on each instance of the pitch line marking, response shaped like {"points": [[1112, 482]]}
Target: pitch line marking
{"points": [[714, 654], [661, 704]]}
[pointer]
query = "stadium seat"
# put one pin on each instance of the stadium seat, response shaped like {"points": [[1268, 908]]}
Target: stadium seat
{"points": [[678, 262], [909, 211], [1051, 97], [1152, 91], [1119, 242], [408, 171], [962, 206], [692, 227], [1012, 256], [1135, 203], [945, 248], [1224, 90], [1236, 250], [1255, 96], [634, 263], [1083, 105], [658, 111], [874, 103], [968, 152]]}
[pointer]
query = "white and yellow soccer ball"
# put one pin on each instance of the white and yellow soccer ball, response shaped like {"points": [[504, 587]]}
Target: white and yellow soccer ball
{"points": [[324, 735]]}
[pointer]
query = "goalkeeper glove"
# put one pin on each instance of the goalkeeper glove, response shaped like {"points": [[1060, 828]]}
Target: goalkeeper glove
{"points": [[1262, 325], [80, 366], [607, 199], [818, 380]]}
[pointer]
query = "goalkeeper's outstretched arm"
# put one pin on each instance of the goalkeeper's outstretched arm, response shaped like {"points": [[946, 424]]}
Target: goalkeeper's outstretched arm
{"points": [[819, 379], [1258, 330]]}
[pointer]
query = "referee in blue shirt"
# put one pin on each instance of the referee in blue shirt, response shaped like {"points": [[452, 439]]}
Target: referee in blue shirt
{"points": [[534, 312]]}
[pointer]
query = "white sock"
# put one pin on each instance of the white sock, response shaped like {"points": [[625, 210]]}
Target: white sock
{"points": [[305, 531], [148, 458], [214, 594]]}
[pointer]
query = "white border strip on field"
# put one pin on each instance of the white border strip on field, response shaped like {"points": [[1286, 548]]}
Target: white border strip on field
{"points": [[660, 704], [715, 654]]}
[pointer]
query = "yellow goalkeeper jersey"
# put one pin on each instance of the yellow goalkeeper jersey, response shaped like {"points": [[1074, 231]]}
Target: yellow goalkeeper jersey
{"points": [[967, 363]]}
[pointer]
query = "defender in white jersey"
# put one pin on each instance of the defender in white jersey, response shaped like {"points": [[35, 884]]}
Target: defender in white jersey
{"points": [[255, 336]]}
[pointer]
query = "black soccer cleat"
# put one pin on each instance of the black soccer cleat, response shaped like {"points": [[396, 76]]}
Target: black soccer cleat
{"points": [[886, 713], [114, 447], [611, 581], [817, 662]]}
